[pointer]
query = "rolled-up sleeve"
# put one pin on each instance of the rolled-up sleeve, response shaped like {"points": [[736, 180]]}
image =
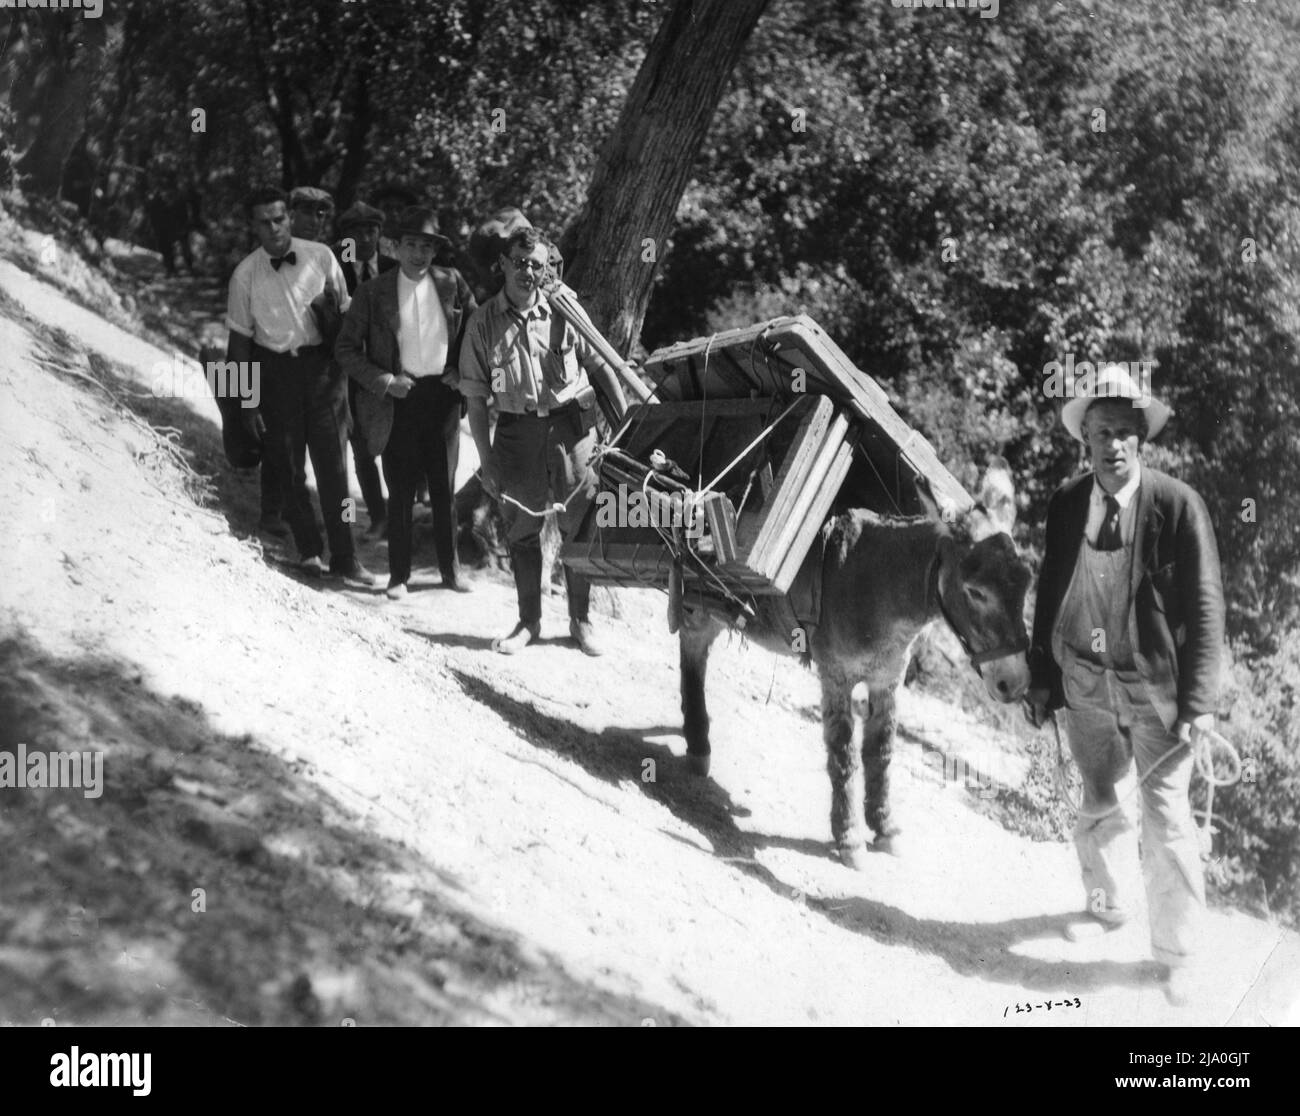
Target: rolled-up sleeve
{"points": [[474, 363], [340, 283], [239, 302]]}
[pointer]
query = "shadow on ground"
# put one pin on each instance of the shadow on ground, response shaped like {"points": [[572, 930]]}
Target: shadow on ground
{"points": [[978, 949], [303, 918]]}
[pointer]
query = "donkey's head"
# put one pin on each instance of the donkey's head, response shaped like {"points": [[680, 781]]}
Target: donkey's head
{"points": [[980, 581]]}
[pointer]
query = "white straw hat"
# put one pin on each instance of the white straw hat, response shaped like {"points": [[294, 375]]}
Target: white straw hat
{"points": [[1112, 381]]}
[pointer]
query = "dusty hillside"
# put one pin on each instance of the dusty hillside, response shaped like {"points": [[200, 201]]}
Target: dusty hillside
{"points": [[391, 824]]}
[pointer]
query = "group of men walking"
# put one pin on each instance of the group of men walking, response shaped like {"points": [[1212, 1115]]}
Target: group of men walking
{"points": [[1129, 620], [391, 352]]}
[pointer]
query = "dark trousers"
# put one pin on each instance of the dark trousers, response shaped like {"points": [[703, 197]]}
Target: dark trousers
{"points": [[272, 500], [364, 460], [425, 441], [542, 461], [304, 407]]}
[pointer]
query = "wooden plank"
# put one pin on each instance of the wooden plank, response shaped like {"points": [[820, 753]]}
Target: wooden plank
{"points": [[565, 303], [791, 477], [799, 341], [661, 415], [818, 510], [720, 516], [768, 546], [810, 420], [608, 554], [733, 373], [809, 492]]}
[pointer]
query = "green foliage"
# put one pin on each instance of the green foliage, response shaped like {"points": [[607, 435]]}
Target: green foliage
{"points": [[967, 200], [468, 104], [1258, 819]]}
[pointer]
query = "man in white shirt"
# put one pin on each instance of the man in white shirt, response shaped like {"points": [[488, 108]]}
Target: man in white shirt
{"points": [[276, 295], [401, 342]]}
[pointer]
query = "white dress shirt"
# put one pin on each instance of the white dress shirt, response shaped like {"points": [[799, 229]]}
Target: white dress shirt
{"points": [[422, 334], [1125, 498], [273, 306]]}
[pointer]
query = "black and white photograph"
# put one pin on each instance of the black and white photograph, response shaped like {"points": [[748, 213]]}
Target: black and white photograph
{"points": [[651, 513]]}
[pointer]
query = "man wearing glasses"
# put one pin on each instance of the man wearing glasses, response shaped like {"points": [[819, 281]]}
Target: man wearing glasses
{"points": [[536, 367]]}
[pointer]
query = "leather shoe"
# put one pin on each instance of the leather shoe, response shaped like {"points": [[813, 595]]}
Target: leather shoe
{"points": [[313, 566], [517, 640], [585, 637], [455, 585], [353, 573], [396, 592]]}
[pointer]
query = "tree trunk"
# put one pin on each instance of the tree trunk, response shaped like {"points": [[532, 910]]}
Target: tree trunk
{"points": [[644, 166], [356, 149], [55, 73]]}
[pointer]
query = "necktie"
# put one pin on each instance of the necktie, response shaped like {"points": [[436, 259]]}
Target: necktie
{"points": [[1108, 538], [287, 258]]}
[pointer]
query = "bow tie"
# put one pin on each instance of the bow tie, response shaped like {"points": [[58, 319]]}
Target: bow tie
{"points": [[287, 258]]}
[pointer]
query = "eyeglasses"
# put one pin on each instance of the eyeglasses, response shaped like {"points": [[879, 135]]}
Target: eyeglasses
{"points": [[523, 263]]}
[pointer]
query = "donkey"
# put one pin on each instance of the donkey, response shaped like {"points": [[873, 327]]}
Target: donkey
{"points": [[882, 581]]}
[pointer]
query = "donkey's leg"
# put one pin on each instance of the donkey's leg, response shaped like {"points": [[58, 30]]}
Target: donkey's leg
{"points": [[697, 633], [877, 750], [843, 762]]}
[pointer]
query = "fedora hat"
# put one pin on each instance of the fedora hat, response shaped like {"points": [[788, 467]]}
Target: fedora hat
{"points": [[418, 220], [1112, 381], [361, 214]]}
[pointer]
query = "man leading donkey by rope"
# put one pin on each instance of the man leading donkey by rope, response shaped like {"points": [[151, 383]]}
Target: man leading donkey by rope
{"points": [[1128, 633]]}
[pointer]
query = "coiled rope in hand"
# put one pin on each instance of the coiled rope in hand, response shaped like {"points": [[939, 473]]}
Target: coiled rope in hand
{"points": [[1204, 744]]}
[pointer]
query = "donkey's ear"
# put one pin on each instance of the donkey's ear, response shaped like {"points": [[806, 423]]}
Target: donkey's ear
{"points": [[998, 494], [941, 511]]}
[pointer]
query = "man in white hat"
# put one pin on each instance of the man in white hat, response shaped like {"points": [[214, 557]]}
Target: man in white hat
{"points": [[1128, 632]]}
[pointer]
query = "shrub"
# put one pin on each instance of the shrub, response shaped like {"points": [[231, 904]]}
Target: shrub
{"points": [[1257, 846]]}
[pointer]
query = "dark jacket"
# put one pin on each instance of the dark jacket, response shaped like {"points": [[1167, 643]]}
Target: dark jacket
{"points": [[368, 349], [1176, 615], [386, 263]]}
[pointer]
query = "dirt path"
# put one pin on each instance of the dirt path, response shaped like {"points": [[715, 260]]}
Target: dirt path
{"points": [[389, 823]]}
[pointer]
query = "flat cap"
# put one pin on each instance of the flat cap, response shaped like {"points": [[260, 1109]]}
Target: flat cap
{"points": [[309, 195], [361, 214]]}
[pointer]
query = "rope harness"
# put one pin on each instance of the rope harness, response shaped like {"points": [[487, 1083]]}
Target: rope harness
{"points": [[555, 509]]}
